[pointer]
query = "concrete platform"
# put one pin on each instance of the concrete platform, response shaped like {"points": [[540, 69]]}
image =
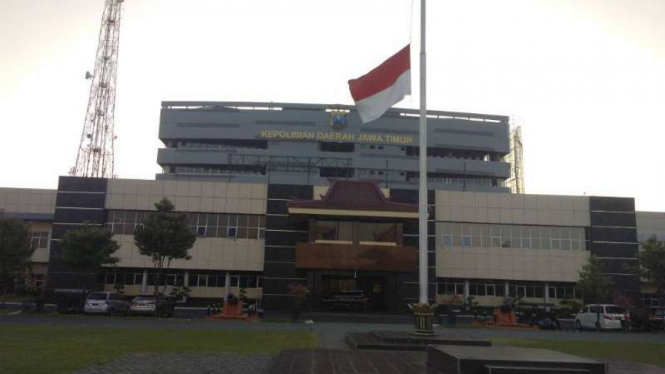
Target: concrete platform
{"points": [[482, 360], [337, 361], [404, 341]]}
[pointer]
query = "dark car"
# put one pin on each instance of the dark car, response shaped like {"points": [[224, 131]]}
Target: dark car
{"points": [[160, 306], [354, 300], [646, 319]]}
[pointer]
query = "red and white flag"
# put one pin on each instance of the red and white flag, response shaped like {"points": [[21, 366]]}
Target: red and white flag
{"points": [[383, 87]]}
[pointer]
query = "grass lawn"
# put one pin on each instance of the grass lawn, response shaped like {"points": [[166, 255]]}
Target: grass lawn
{"points": [[646, 353], [53, 350]]}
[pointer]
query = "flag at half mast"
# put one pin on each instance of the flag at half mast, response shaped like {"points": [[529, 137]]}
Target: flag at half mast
{"points": [[383, 87]]}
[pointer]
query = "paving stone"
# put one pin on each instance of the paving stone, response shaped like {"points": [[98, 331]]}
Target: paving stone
{"points": [[183, 363]]}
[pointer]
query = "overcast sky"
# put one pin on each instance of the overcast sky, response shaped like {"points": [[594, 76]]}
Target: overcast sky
{"points": [[584, 78]]}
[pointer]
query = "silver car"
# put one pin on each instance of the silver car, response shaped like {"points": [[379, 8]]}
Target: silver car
{"points": [[105, 303]]}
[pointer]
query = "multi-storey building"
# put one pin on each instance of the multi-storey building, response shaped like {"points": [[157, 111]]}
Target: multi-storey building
{"points": [[286, 193]]}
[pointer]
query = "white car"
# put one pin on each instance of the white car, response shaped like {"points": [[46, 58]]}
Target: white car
{"points": [[611, 317], [106, 303]]}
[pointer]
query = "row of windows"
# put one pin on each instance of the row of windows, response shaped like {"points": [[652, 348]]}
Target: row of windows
{"points": [[215, 225], [650, 299], [515, 289], [512, 236], [39, 239], [366, 231], [175, 279]]}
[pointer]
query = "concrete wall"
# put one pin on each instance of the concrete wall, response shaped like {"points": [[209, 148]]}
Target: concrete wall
{"points": [[207, 254], [27, 202], [188, 196], [528, 264], [649, 223]]}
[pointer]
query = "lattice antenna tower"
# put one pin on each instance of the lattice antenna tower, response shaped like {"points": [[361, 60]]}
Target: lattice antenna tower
{"points": [[515, 158], [95, 153]]}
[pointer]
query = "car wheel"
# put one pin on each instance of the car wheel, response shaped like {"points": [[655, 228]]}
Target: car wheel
{"points": [[578, 325]]}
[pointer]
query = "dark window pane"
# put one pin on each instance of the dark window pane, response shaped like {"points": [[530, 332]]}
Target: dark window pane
{"points": [[242, 233], [193, 280]]}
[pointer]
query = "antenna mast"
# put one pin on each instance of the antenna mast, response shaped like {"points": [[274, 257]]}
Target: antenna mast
{"points": [[95, 153]]}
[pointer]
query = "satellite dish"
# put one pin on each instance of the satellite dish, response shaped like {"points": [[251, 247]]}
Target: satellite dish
{"points": [[88, 75]]}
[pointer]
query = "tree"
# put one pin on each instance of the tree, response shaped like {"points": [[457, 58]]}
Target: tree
{"points": [[89, 249], [164, 237], [652, 264], [15, 250], [594, 284]]}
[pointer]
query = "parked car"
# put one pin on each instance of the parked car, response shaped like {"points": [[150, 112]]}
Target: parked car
{"points": [[161, 306], [355, 300], [105, 302], [612, 317], [645, 318]]}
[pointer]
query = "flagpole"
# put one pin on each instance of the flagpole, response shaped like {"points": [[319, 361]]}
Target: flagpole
{"points": [[422, 195]]}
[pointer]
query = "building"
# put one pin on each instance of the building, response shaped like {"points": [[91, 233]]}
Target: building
{"points": [[288, 193]]}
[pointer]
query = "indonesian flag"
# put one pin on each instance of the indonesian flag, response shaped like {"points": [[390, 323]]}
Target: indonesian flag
{"points": [[383, 87]]}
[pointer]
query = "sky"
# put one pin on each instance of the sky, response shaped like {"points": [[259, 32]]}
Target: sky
{"points": [[584, 78]]}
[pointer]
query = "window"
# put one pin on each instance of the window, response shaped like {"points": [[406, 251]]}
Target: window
{"points": [[377, 232], [39, 239], [450, 287], [334, 230], [232, 232]]}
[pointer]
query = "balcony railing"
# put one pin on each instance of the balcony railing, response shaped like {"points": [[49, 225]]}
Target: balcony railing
{"points": [[356, 257]]}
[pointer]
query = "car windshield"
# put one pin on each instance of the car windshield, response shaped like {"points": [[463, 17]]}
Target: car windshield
{"points": [[615, 310], [97, 296]]}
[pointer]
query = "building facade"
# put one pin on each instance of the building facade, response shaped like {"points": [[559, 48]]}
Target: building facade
{"points": [[288, 193]]}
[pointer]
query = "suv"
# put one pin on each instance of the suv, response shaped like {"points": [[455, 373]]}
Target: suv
{"points": [[612, 317], [150, 305], [355, 300], [105, 302]]}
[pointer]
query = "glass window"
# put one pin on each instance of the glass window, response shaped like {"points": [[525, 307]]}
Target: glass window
{"points": [[565, 233], [378, 232], [233, 220], [486, 242], [466, 241], [232, 232], [234, 281], [526, 243], [262, 233], [539, 291], [565, 244], [446, 240], [555, 232], [193, 280], [446, 228], [556, 244], [459, 288], [201, 231], [499, 290]]}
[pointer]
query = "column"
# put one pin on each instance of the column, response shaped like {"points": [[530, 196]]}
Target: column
{"points": [[506, 289], [547, 296], [144, 281], [227, 284], [466, 289]]}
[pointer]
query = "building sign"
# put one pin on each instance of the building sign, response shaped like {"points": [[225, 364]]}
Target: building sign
{"points": [[336, 137]]}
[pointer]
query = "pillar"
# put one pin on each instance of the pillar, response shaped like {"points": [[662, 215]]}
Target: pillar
{"points": [[467, 290], [227, 284], [506, 289], [547, 296], [144, 281]]}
